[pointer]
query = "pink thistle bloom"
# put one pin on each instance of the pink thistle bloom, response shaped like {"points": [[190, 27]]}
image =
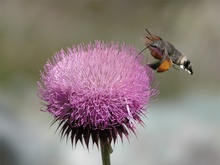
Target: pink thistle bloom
{"points": [[96, 91]]}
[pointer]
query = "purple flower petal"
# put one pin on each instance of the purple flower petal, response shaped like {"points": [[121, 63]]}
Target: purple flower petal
{"points": [[97, 90]]}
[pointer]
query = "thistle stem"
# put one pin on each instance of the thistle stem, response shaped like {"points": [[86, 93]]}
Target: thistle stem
{"points": [[106, 151]]}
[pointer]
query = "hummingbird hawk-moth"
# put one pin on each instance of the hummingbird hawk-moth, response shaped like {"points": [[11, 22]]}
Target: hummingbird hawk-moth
{"points": [[166, 54]]}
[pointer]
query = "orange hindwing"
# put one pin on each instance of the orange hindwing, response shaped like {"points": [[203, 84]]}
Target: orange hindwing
{"points": [[165, 65]]}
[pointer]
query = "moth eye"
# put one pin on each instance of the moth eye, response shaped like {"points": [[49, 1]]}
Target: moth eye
{"points": [[154, 45]]}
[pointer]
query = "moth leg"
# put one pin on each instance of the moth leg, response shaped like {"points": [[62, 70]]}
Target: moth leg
{"points": [[174, 66]]}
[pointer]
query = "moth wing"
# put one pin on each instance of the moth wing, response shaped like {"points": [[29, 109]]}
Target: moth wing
{"points": [[148, 41], [165, 65], [155, 65], [155, 54]]}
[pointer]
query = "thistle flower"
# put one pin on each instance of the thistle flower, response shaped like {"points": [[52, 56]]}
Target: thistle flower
{"points": [[96, 91]]}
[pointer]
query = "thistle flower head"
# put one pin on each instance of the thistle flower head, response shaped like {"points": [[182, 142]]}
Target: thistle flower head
{"points": [[96, 91]]}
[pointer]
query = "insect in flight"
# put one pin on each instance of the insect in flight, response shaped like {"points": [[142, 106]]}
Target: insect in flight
{"points": [[166, 54]]}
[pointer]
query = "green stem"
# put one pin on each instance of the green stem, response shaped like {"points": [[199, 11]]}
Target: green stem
{"points": [[106, 151]]}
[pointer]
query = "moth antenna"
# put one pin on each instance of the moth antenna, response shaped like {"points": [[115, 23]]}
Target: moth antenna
{"points": [[149, 32], [150, 35], [150, 39]]}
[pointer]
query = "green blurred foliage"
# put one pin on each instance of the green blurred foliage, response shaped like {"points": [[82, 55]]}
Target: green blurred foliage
{"points": [[32, 31]]}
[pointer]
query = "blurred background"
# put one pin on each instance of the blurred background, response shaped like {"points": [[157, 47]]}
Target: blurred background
{"points": [[183, 124]]}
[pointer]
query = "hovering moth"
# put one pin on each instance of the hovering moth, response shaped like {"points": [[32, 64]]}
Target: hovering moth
{"points": [[166, 54]]}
